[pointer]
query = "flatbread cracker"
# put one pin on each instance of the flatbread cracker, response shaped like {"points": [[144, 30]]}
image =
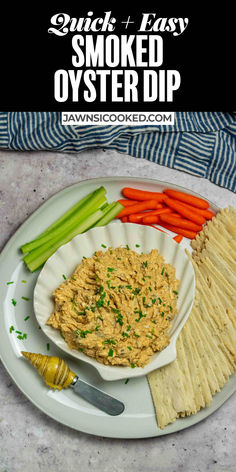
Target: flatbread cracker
{"points": [[206, 346]]}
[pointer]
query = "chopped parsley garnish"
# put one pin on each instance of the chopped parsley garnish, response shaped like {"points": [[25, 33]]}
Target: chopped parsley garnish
{"points": [[64, 277], [129, 328], [13, 301], [130, 348], [100, 302], [24, 281], [9, 283], [163, 270], [80, 313], [125, 334], [97, 327], [82, 333], [129, 287], [175, 292], [137, 335], [162, 313], [127, 247], [148, 336], [25, 298], [170, 307], [126, 381], [136, 291], [63, 337], [160, 300], [118, 258], [140, 315], [109, 284], [109, 341], [110, 269], [133, 365], [137, 245], [84, 257], [150, 289], [48, 346], [100, 318], [146, 277], [93, 308], [111, 352], [119, 317], [11, 329], [103, 245], [26, 318]]}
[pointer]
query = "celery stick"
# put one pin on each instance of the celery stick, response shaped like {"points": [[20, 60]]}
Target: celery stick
{"points": [[115, 209], [95, 201], [43, 253]]}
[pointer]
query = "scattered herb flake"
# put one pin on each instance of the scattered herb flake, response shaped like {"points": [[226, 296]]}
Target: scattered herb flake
{"points": [[163, 270], [127, 247], [133, 365], [103, 245], [175, 292], [26, 318], [9, 283], [24, 281], [13, 301], [137, 245], [48, 347], [109, 341], [136, 291], [130, 348], [126, 381], [111, 352], [64, 277], [11, 329], [25, 298]]}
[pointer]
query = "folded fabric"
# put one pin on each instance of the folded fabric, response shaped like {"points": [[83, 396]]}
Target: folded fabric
{"points": [[199, 143]]}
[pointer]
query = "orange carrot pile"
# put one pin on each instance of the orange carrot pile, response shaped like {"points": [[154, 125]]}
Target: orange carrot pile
{"points": [[179, 212]]}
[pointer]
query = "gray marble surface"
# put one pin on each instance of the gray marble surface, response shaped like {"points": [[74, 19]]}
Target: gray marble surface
{"points": [[31, 441]]}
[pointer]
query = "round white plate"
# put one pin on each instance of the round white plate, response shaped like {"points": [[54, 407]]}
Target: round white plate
{"points": [[138, 420], [116, 234]]}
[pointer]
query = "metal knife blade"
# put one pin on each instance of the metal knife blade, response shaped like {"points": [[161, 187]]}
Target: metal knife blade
{"points": [[97, 397]]}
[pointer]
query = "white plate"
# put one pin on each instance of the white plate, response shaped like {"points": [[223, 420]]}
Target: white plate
{"points": [[67, 257], [138, 419]]}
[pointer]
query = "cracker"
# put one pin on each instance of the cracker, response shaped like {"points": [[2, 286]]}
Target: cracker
{"points": [[206, 346]]}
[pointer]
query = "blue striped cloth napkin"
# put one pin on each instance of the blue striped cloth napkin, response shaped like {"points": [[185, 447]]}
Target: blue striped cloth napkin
{"points": [[199, 143]]}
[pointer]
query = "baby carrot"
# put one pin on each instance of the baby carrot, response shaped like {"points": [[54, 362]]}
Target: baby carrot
{"points": [[137, 208], [124, 219], [178, 238], [187, 198], [126, 203], [184, 232], [208, 214], [150, 219], [170, 219], [141, 195], [137, 217], [186, 212]]}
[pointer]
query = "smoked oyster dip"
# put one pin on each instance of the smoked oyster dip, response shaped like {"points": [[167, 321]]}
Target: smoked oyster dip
{"points": [[117, 306]]}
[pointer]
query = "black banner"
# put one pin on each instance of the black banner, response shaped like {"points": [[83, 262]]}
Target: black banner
{"points": [[149, 58]]}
